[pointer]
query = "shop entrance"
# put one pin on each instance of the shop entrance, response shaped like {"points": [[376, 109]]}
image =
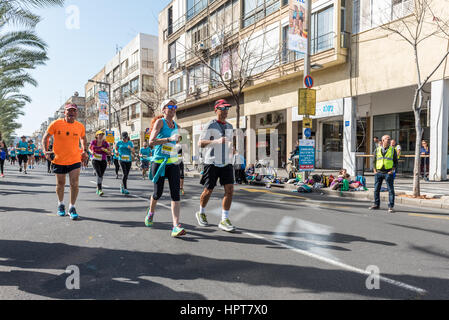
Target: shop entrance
{"points": [[333, 145]]}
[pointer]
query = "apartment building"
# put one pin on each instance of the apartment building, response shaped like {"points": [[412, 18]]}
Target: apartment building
{"points": [[91, 89], [132, 75], [364, 75]]}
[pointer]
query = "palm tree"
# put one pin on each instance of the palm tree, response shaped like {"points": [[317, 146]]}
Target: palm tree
{"points": [[20, 51]]}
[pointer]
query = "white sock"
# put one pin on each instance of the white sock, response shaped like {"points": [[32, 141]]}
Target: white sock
{"points": [[224, 215], [60, 202], [202, 210], [71, 206]]}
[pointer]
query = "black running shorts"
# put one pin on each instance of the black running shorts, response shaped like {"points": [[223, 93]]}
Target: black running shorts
{"points": [[57, 169], [212, 173]]}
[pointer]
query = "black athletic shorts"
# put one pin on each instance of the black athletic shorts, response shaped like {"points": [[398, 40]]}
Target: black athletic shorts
{"points": [[23, 158], [57, 169], [145, 164], [212, 173]]}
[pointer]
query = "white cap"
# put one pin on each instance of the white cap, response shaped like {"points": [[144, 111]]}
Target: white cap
{"points": [[167, 102]]}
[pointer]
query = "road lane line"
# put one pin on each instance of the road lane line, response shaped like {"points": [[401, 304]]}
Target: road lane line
{"points": [[427, 216], [340, 264]]}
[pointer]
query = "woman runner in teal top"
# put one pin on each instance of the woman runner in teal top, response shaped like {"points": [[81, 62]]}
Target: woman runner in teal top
{"points": [[163, 138]]}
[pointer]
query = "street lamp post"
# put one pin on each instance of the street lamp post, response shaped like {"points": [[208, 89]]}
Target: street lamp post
{"points": [[109, 97]]}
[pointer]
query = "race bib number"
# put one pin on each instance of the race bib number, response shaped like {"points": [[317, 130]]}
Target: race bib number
{"points": [[98, 156], [167, 149], [125, 158]]}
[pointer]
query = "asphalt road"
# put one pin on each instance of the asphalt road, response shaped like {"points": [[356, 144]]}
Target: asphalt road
{"points": [[286, 246]]}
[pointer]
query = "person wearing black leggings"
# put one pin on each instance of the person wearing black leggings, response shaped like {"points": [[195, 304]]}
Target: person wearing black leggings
{"points": [[100, 150], [125, 149], [3, 154]]}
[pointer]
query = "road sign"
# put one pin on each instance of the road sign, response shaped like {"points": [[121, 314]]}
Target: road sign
{"points": [[110, 136], [307, 123], [308, 133], [308, 81], [306, 155], [306, 102]]}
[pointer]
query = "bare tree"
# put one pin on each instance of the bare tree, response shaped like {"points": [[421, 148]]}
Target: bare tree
{"points": [[424, 23], [234, 63]]}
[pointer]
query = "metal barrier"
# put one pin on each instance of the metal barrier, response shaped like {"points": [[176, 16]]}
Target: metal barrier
{"points": [[364, 156]]}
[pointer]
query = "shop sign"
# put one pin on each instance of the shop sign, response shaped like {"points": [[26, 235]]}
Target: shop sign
{"points": [[306, 155], [135, 136], [325, 109]]}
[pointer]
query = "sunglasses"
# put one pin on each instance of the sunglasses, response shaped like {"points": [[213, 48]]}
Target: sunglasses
{"points": [[223, 108], [170, 107]]}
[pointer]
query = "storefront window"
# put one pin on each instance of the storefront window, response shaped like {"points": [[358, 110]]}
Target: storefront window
{"points": [[333, 136], [401, 127], [361, 136]]}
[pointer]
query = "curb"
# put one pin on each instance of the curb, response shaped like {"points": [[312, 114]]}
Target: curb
{"points": [[441, 203]]}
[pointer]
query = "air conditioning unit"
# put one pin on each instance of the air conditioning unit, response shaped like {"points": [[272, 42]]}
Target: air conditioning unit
{"points": [[227, 76], [178, 65], [167, 66], [201, 46]]}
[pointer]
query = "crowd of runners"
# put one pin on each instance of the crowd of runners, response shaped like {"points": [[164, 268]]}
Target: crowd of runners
{"points": [[65, 150]]}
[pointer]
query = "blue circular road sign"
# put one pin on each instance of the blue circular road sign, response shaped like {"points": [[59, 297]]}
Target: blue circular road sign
{"points": [[308, 133], [308, 81]]}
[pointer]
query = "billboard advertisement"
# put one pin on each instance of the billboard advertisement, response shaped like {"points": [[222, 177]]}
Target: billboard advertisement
{"points": [[297, 31]]}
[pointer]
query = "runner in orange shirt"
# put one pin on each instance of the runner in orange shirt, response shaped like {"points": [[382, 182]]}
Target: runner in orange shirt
{"points": [[68, 134]]}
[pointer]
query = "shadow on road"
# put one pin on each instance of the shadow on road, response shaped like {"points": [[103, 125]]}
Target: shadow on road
{"points": [[143, 272]]}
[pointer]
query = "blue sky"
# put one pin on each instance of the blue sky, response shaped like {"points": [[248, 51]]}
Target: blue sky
{"points": [[75, 55]]}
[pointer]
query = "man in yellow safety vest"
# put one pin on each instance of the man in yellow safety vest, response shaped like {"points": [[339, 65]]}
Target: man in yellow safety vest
{"points": [[385, 164]]}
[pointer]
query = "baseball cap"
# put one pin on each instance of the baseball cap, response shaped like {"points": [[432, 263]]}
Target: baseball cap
{"points": [[71, 106], [221, 103], [124, 134], [99, 132], [167, 102]]}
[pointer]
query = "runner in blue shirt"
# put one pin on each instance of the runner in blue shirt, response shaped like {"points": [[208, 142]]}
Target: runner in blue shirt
{"points": [[22, 153], [145, 155], [125, 148], [31, 148]]}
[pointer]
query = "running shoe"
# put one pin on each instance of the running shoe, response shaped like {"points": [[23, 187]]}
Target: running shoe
{"points": [[100, 193], [226, 225], [2, 175], [61, 210], [20, 169], [73, 214], [178, 231], [149, 219], [202, 219], [125, 191]]}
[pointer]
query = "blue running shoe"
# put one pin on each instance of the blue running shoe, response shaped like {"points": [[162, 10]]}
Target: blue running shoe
{"points": [[73, 214], [61, 210]]}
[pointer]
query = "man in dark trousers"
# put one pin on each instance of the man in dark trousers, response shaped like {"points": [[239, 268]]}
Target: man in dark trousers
{"points": [[385, 164]]}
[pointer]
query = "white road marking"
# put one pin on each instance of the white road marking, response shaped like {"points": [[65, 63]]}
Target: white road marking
{"points": [[340, 264]]}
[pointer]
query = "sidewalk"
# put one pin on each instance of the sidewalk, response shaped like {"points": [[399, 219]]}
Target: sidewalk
{"points": [[437, 193]]}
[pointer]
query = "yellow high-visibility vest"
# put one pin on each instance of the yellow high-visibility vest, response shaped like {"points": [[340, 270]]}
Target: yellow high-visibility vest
{"points": [[386, 160]]}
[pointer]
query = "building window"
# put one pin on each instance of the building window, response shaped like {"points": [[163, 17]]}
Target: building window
{"points": [[134, 62], [135, 111], [147, 83], [322, 30], [125, 90], [176, 86], [172, 53], [116, 74], [124, 67], [170, 20], [255, 10], [134, 85], [194, 7]]}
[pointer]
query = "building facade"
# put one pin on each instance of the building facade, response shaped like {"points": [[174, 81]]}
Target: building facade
{"points": [[365, 76], [134, 91]]}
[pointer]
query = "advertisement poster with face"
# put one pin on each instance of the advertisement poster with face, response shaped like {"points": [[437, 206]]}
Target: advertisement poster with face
{"points": [[297, 31]]}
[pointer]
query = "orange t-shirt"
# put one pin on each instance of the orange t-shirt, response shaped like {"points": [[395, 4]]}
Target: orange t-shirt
{"points": [[66, 145]]}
